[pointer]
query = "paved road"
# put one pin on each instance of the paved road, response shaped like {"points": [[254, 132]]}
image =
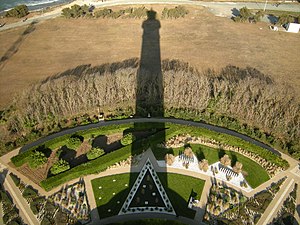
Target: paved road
{"points": [[224, 9], [143, 120]]}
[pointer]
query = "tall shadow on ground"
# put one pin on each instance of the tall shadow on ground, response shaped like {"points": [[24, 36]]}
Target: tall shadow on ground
{"points": [[149, 86]]}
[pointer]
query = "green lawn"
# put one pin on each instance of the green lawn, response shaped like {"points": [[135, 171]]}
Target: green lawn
{"points": [[108, 200], [179, 190], [256, 174]]}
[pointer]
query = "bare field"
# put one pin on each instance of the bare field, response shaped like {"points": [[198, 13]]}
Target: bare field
{"points": [[203, 40]]}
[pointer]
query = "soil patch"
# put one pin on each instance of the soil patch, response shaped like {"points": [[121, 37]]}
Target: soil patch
{"points": [[202, 39]]}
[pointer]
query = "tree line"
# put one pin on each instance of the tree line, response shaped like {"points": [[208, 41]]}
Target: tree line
{"points": [[85, 11], [242, 99]]}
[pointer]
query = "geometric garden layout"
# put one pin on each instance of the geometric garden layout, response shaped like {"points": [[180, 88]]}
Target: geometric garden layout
{"points": [[192, 179], [147, 183], [80, 169]]}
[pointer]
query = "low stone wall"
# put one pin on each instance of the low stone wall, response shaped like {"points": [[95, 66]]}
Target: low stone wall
{"points": [[182, 139]]}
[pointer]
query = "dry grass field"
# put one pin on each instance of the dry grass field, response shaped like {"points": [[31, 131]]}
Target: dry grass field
{"points": [[203, 40]]}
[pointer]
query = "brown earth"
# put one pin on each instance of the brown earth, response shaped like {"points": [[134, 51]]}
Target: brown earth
{"points": [[203, 40]]}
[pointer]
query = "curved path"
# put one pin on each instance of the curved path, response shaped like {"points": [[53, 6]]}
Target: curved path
{"points": [[224, 9], [152, 120]]}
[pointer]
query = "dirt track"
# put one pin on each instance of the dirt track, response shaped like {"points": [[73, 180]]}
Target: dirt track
{"points": [[201, 38]]}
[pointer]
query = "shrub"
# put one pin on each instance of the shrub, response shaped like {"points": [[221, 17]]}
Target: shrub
{"points": [[29, 193], [203, 165], [15, 179], [169, 159], [98, 165], [34, 208], [76, 11], [177, 12], [284, 19], [95, 153], [74, 142], [127, 139], [46, 221], [225, 160], [59, 166], [18, 11], [102, 13], [37, 159]]}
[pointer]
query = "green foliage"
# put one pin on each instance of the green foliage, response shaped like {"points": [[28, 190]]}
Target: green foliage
{"points": [[285, 18], [95, 166], [174, 13], [59, 167], [127, 139], [34, 208], [102, 13], [46, 221], [246, 15], [18, 11], [10, 215], [258, 15], [15, 179], [74, 142], [76, 11], [29, 193], [94, 153], [37, 159]]}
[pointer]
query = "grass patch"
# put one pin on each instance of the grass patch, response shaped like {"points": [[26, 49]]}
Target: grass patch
{"points": [[108, 200], [179, 189], [279, 12], [256, 174]]}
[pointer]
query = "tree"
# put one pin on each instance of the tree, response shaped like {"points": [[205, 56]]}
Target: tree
{"points": [[59, 167], [225, 160], [188, 152], [238, 167], [74, 142], [284, 19], [127, 139], [29, 193], [95, 153], [203, 165], [245, 15], [258, 15], [169, 158], [37, 159], [18, 11], [67, 13]]}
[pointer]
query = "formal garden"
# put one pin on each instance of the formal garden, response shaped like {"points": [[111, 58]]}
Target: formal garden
{"points": [[94, 150], [68, 205], [112, 191], [228, 206], [9, 210]]}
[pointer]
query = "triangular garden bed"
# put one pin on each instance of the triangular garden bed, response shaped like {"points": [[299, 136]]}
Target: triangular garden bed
{"points": [[147, 194]]}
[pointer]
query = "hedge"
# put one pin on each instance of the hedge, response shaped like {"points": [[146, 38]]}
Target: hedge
{"points": [[95, 166], [15, 179]]}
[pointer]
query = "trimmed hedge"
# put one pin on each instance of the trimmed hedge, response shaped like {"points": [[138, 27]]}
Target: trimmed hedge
{"points": [[95, 166], [15, 179], [127, 139], [95, 153]]}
